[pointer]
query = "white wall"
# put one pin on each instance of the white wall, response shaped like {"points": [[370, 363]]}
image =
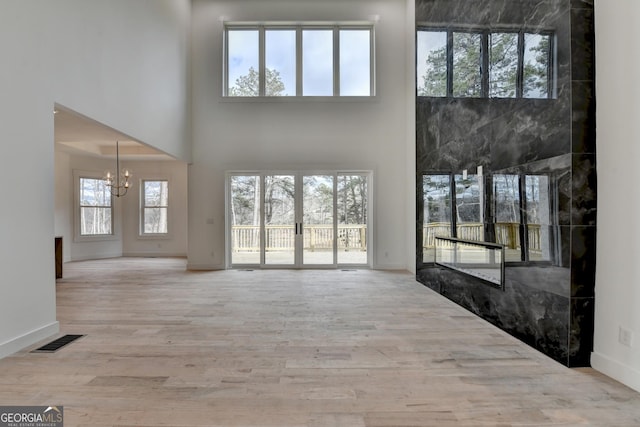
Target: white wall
{"points": [[410, 42], [618, 155], [299, 134], [68, 168], [121, 62], [63, 202], [173, 244]]}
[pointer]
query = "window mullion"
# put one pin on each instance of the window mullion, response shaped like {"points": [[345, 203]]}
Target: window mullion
{"points": [[336, 61], [524, 225], [372, 68], [298, 60], [520, 72], [450, 63], [262, 78], [225, 65], [484, 55], [453, 207]]}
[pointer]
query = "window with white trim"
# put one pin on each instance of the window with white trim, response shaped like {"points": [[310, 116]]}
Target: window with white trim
{"points": [[96, 208], [308, 60], [154, 209]]}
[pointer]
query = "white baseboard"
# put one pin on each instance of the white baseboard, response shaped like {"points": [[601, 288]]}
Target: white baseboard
{"points": [[616, 370], [16, 344], [393, 267], [96, 256], [154, 255], [205, 267]]}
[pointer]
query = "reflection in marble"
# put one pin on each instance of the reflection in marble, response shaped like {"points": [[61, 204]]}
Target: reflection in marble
{"points": [[547, 305]]}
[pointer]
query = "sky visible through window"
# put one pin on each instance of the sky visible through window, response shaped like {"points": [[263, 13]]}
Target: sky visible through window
{"points": [[317, 61], [355, 63], [243, 53], [280, 55], [429, 43]]}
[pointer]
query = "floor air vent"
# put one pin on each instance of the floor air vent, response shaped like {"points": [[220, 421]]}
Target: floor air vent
{"points": [[57, 344]]}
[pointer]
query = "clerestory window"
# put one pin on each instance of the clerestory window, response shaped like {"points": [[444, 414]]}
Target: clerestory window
{"points": [[309, 60]]}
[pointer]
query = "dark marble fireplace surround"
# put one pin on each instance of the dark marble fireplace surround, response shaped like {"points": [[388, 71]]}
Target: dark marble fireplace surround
{"points": [[548, 306]]}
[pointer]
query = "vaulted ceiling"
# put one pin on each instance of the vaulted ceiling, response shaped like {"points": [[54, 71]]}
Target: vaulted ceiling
{"points": [[80, 135]]}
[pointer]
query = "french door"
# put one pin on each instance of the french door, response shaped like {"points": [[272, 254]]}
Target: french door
{"points": [[298, 219]]}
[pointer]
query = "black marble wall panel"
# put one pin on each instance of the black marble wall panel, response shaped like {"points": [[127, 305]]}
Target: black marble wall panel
{"points": [[583, 117], [582, 43], [583, 194], [583, 261], [584, 209], [530, 13], [548, 305], [537, 317], [581, 323]]}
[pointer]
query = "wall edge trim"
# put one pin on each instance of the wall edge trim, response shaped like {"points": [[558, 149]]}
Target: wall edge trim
{"points": [[616, 370], [23, 341]]}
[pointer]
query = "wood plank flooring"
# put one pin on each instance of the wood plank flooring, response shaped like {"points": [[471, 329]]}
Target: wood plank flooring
{"points": [[168, 347]]}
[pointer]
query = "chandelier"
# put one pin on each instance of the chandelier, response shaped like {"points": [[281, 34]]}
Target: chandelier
{"points": [[118, 183]]}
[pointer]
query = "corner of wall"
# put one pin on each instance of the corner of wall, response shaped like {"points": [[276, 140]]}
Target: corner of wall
{"points": [[616, 370], [13, 346]]}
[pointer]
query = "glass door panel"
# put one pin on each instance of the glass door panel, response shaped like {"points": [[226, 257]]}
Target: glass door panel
{"points": [[352, 208], [317, 220], [245, 219], [297, 220], [279, 220]]}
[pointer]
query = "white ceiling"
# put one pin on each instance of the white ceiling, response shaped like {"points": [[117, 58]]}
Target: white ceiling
{"points": [[77, 134]]}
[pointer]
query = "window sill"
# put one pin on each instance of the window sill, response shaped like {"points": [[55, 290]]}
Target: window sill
{"points": [[285, 99], [95, 238], [492, 98], [165, 236]]}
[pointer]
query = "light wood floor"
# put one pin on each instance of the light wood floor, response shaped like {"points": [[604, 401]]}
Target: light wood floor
{"points": [[166, 347]]}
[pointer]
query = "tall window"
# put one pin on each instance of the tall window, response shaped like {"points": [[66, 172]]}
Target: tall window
{"points": [[436, 191], [155, 207], [482, 63], [298, 60], [96, 211]]}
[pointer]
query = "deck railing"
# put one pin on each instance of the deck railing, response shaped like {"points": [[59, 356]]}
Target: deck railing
{"points": [[507, 233], [246, 238]]}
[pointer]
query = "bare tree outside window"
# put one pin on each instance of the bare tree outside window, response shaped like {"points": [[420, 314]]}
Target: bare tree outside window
{"points": [[249, 84], [95, 208], [155, 207]]}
